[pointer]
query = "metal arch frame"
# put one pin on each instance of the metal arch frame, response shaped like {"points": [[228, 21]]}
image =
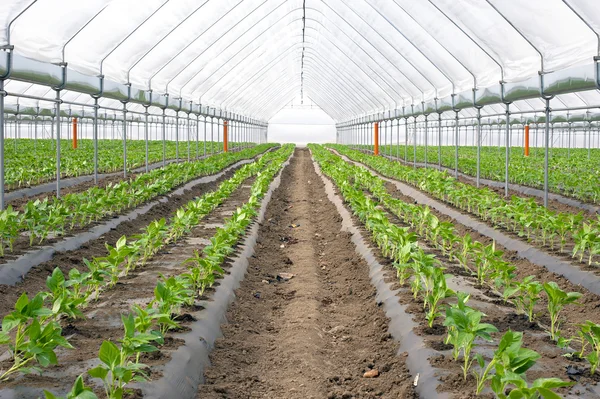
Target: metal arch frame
{"points": [[328, 94], [266, 94], [440, 44], [585, 22], [357, 105], [472, 40], [130, 34], [79, 31], [288, 25], [349, 92], [243, 48], [225, 100], [297, 44], [326, 108], [508, 21], [277, 99], [334, 45], [159, 41], [12, 21], [357, 65], [265, 68], [391, 46], [416, 48], [213, 43], [367, 53]]}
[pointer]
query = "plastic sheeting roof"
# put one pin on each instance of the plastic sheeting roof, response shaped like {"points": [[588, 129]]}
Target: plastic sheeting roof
{"points": [[349, 57]]}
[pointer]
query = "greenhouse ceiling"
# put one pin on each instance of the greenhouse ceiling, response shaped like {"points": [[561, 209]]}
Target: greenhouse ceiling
{"points": [[249, 58]]}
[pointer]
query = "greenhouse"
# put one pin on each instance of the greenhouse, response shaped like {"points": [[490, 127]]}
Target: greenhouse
{"points": [[299, 199]]}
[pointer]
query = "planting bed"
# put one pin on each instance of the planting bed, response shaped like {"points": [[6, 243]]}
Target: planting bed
{"points": [[565, 236], [45, 221], [316, 334], [556, 202], [484, 297], [199, 225]]}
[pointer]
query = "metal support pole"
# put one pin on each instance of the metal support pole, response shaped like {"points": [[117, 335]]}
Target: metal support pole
{"points": [[146, 132], [212, 141], [478, 146], [397, 139], [405, 139], [205, 118], [569, 148], [164, 137], [507, 150], [426, 147], [440, 141], [197, 135], [189, 128], [124, 140], [2, 144], [177, 136], [95, 134], [57, 143], [546, 144], [456, 146], [415, 144]]}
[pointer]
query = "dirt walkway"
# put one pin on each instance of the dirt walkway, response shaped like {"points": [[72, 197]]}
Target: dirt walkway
{"points": [[315, 335]]}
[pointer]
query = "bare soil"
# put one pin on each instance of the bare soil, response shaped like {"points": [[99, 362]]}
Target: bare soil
{"points": [[315, 335]]}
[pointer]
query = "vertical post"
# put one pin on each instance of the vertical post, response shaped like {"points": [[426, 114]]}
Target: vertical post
{"points": [[35, 129], [526, 140], [415, 144], [124, 140], [456, 146], [205, 118], [376, 139], [95, 134], [440, 141], [74, 133], [405, 139], [177, 136], [189, 128], [2, 144], [146, 132], [197, 135], [546, 152], [212, 138], [57, 143], [426, 146], [507, 150], [478, 146], [397, 139], [569, 148], [225, 135], [164, 137]]}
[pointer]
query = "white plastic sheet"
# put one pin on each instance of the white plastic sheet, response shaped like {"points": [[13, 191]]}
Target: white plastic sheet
{"points": [[358, 56]]}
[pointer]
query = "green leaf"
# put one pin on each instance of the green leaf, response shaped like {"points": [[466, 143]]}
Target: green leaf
{"points": [[109, 354], [98, 372]]}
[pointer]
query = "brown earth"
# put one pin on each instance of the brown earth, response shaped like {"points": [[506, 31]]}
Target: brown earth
{"points": [[315, 335]]}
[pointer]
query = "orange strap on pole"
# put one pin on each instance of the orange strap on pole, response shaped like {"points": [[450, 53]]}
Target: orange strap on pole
{"points": [[74, 133], [526, 140], [376, 139], [225, 138]]}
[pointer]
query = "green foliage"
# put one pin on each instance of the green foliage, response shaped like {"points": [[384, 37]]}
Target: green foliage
{"points": [[557, 300]]}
